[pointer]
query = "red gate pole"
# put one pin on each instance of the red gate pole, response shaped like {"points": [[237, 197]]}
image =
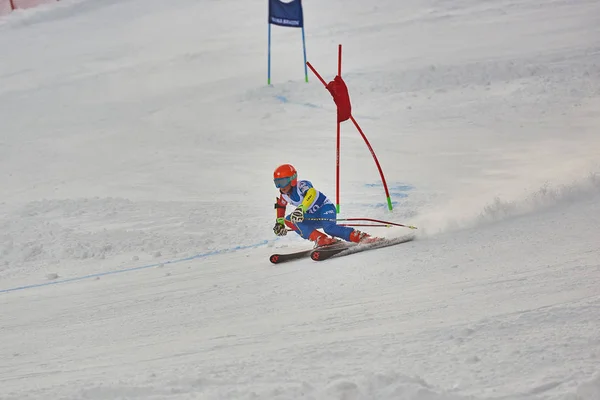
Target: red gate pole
{"points": [[316, 73], [387, 192], [337, 154], [12, 5]]}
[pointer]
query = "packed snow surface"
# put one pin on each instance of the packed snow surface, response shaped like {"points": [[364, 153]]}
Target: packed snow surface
{"points": [[137, 144]]}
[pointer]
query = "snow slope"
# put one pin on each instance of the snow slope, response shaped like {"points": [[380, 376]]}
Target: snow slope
{"points": [[137, 144]]}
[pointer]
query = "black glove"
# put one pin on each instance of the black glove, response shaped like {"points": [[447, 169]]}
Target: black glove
{"points": [[280, 229], [297, 215]]}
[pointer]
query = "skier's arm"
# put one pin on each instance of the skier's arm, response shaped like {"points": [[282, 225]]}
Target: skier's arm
{"points": [[280, 228], [309, 198], [280, 205]]}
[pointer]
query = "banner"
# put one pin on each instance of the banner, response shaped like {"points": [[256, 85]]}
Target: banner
{"points": [[289, 15], [286, 14]]}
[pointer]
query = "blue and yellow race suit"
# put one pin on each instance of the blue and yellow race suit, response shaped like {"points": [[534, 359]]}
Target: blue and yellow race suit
{"points": [[319, 211]]}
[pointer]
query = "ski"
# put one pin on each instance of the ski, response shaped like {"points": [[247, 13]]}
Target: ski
{"points": [[285, 257], [322, 254]]}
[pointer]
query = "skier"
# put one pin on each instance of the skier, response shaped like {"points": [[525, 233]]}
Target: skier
{"points": [[313, 211]]}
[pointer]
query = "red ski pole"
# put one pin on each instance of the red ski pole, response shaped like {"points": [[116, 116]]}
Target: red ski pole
{"points": [[386, 223]]}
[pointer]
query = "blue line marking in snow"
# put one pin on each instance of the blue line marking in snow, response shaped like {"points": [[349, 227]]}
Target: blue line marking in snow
{"points": [[285, 100], [311, 105], [80, 278], [385, 205], [397, 191], [398, 187]]}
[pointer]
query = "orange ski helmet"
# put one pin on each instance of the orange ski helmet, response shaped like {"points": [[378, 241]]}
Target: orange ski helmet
{"points": [[284, 175]]}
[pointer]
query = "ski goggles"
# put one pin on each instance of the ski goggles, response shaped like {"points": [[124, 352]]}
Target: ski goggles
{"points": [[283, 182]]}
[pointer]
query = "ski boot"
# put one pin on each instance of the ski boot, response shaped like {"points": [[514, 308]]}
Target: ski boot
{"points": [[321, 239], [361, 237]]}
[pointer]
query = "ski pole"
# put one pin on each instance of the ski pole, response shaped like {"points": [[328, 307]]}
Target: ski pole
{"points": [[372, 225], [379, 221], [361, 225], [362, 219]]}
